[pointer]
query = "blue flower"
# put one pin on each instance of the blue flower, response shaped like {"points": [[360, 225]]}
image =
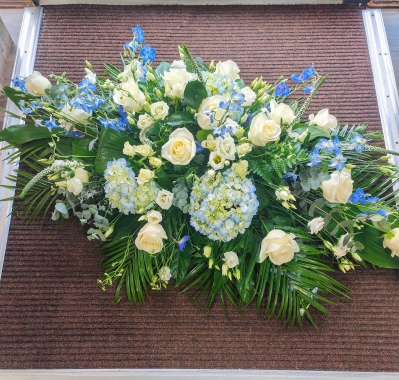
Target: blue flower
{"points": [[308, 90], [110, 124], [365, 214], [249, 118], [372, 199], [19, 84], [132, 45], [383, 213], [308, 73], [138, 34], [198, 146], [86, 85], [25, 110], [325, 145], [296, 78], [51, 124], [337, 145], [282, 90], [36, 104], [316, 158], [183, 242], [289, 175], [148, 53], [357, 142], [359, 196], [338, 161]]}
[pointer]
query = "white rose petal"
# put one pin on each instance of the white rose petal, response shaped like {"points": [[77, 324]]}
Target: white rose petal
{"points": [[178, 65], [36, 84], [279, 247], [164, 274], [243, 149], [74, 185], [339, 188], [128, 149], [211, 104], [82, 174], [156, 162], [145, 121], [316, 225], [144, 150], [231, 259], [225, 146], [323, 120], [154, 217], [250, 96], [144, 176], [281, 113], [149, 238], [129, 96], [181, 148], [228, 68], [175, 81], [164, 199], [159, 110], [392, 242], [70, 116], [90, 76], [240, 168], [132, 70], [263, 130]]}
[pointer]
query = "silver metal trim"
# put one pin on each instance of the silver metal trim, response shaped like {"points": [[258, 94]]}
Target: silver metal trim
{"points": [[194, 374], [23, 66], [384, 79]]}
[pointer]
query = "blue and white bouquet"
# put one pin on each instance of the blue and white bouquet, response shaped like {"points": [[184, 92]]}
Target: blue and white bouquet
{"points": [[187, 173]]}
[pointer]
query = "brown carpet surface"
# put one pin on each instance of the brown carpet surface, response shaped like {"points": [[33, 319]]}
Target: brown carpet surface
{"points": [[54, 315]]}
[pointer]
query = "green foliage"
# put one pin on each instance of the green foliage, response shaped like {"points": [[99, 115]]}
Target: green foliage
{"points": [[180, 118], [22, 133], [194, 93]]}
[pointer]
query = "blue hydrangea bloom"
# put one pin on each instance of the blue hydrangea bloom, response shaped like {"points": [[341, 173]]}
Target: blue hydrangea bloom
{"points": [[148, 53], [282, 90]]}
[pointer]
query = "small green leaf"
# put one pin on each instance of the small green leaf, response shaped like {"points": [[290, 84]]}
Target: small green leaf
{"points": [[194, 94], [180, 118], [203, 134], [16, 95], [180, 262]]}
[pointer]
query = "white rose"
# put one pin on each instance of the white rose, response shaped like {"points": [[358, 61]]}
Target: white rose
{"points": [[279, 247], [145, 121], [240, 168], [164, 199], [249, 95], [180, 149], [281, 113], [209, 143], [175, 81], [90, 76], [144, 176], [128, 149], [231, 259], [316, 225], [74, 185], [36, 84], [323, 120], [243, 149], [159, 110], [154, 217], [340, 249], [216, 160], [82, 174], [339, 188], [211, 104], [392, 242], [129, 96], [228, 68], [225, 146], [144, 150], [149, 238], [164, 274], [132, 70], [156, 162], [70, 115], [284, 194], [178, 65], [230, 123], [263, 130]]}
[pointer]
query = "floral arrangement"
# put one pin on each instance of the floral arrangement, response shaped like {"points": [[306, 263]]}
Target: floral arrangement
{"points": [[187, 173]]}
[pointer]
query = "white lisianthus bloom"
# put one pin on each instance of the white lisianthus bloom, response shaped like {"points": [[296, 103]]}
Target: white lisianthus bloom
{"points": [[391, 241], [144, 150], [263, 130], [129, 96], [164, 274], [284, 194], [211, 104], [90, 76], [159, 110], [155, 162], [128, 149], [216, 160], [175, 81], [240, 168], [164, 199], [316, 225], [149, 238], [281, 113], [228, 68], [243, 149], [36, 84], [154, 217], [250, 96], [74, 185], [145, 121], [225, 146], [70, 115], [181, 148], [279, 247], [231, 259], [340, 249], [324, 120], [82, 174], [144, 176], [339, 188]]}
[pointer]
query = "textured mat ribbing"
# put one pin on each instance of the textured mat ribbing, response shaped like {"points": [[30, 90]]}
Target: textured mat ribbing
{"points": [[54, 315]]}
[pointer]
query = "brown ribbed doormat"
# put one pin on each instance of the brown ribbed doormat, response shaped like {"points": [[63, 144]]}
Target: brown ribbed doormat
{"points": [[54, 315]]}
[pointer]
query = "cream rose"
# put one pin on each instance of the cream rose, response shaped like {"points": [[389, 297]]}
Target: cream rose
{"points": [[132, 70], [279, 247], [392, 242], [316, 225], [149, 238], [263, 130], [243, 149], [128, 149], [82, 174], [145, 121], [144, 176], [74, 185], [240, 168], [225, 146], [323, 120], [228, 68], [144, 150], [249, 95], [154, 217], [209, 143], [211, 104], [339, 188], [164, 274], [36, 84], [281, 113], [180, 149], [164, 199], [159, 110], [129, 96], [175, 81], [70, 116], [155, 162], [231, 259]]}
